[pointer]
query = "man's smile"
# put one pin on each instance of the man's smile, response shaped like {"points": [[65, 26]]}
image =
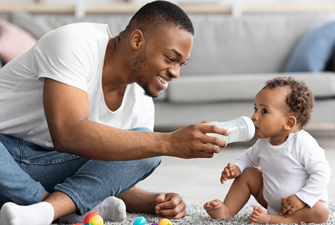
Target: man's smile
{"points": [[161, 79]]}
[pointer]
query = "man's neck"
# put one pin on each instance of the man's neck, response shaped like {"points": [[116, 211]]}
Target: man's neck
{"points": [[114, 76]]}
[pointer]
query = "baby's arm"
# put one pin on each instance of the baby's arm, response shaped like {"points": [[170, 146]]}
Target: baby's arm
{"points": [[229, 172], [290, 205], [312, 156], [249, 158]]}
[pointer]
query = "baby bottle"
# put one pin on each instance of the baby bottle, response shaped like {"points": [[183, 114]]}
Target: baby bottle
{"points": [[240, 129]]}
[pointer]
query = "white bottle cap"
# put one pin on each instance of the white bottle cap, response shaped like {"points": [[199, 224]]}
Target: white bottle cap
{"points": [[250, 126]]}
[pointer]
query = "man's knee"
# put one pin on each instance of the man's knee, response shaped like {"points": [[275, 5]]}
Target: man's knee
{"points": [[151, 163], [145, 129]]}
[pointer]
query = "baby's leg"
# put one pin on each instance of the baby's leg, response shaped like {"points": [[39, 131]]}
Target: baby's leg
{"points": [[217, 210], [317, 214], [250, 182]]}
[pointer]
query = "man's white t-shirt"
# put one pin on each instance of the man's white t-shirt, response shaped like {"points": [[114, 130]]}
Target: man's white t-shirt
{"points": [[73, 55], [298, 166]]}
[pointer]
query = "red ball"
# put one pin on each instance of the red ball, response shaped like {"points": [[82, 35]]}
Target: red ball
{"points": [[89, 216]]}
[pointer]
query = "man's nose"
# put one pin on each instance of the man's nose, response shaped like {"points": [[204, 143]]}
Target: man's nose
{"points": [[174, 71]]}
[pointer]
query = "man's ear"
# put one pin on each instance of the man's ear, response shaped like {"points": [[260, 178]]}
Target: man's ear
{"points": [[290, 123], [136, 39]]}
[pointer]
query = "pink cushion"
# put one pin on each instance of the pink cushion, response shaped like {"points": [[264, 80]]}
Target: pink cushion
{"points": [[13, 41]]}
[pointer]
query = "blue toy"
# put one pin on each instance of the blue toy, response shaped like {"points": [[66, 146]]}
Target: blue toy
{"points": [[141, 221]]}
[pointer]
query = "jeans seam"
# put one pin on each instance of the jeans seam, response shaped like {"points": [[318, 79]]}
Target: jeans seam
{"points": [[21, 154], [24, 161], [73, 157]]}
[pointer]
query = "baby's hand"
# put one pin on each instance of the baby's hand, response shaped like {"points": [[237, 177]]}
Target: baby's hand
{"points": [[290, 205], [229, 172]]}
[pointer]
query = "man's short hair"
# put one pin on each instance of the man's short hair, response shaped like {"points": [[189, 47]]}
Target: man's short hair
{"points": [[157, 15], [300, 99]]}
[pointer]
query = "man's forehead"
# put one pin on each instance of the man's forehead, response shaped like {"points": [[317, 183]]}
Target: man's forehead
{"points": [[176, 52], [174, 40]]}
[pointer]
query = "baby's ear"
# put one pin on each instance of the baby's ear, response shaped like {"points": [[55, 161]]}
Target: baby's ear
{"points": [[290, 123]]}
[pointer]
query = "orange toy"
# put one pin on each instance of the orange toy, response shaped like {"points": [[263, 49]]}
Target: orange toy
{"points": [[92, 218], [165, 222]]}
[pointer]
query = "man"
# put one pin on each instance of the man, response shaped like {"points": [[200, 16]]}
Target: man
{"points": [[75, 126]]}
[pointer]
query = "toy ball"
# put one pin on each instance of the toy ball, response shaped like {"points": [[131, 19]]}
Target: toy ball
{"points": [[93, 218], [139, 221], [165, 222]]}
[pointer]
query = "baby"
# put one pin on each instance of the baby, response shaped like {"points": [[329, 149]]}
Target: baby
{"points": [[285, 170]]}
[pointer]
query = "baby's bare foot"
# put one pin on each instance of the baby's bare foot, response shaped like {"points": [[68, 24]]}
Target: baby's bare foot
{"points": [[217, 210], [258, 216]]}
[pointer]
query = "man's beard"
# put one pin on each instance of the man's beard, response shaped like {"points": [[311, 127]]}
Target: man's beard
{"points": [[140, 62]]}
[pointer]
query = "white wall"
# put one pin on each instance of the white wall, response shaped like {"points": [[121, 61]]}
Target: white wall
{"points": [[175, 1]]}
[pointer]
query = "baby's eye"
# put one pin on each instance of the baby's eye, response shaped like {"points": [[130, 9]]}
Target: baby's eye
{"points": [[265, 111]]}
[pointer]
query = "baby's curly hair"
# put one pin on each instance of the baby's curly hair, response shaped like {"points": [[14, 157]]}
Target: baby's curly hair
{"points": [[300, 100]]}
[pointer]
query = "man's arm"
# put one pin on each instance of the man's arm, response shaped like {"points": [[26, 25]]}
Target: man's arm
{"points": [[67, 112]]}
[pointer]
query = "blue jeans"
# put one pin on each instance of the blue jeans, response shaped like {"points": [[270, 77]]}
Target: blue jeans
{"points": [[27, 170]]}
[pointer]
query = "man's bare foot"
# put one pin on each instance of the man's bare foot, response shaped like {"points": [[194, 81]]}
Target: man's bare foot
{"points": [[258, 216], [217, 209]]}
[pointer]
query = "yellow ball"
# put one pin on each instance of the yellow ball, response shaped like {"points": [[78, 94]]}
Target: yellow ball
{"points": [[165, 222], [96, 220]]}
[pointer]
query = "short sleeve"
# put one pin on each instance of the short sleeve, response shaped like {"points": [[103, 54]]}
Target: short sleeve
{"points": [[65, 55]]}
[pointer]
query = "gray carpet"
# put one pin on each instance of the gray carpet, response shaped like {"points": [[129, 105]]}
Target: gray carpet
{"points": [[196, 215]]}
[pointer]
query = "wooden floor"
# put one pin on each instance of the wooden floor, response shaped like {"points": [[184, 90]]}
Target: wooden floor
{"points": [[199, 179]]}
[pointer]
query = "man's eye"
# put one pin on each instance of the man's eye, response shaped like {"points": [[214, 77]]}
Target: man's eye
{"points": [[255, 109], [170, 59], [183, 64]]}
